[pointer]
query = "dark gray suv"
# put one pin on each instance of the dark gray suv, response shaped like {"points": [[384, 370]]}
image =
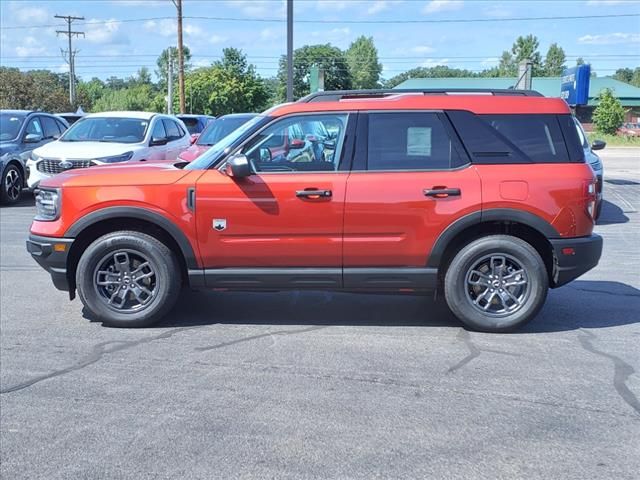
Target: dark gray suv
{"points": [[20, 132]]}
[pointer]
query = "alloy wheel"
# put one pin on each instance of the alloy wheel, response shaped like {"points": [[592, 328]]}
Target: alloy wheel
{"points": [[12, 184]]}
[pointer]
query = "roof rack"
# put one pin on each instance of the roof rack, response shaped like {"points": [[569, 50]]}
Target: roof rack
{"points": [[337, 95]]}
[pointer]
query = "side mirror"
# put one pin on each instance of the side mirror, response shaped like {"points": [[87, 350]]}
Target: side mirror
{"points": [[238, 166], [32, 138], [296, 144], [598, 145], [155, 141]]}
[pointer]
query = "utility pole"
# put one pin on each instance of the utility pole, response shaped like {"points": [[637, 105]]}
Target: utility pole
{"points": [[178, 4], [289, 50], [170, 86], [71, 54], [525, 68]]}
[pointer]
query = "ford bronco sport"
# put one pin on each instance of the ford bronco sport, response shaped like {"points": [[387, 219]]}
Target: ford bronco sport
{"points": [[482, 195]]}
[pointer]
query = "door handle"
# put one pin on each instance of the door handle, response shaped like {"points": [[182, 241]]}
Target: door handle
{"points": [[313, 194], [442, 192]]}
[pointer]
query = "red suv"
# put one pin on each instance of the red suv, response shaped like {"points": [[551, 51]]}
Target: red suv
{"points": [[483, 195]]}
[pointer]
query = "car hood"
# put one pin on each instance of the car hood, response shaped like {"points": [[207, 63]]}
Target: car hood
{"points": [[193, 152], [84, 150], [124, 174]]}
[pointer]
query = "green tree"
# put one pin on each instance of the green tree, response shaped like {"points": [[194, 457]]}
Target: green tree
{"points": [[628, 75], [527, 48], [90, 92], [554, 62], [35, 89], [163, 64], [229, 85], [330, 59], [136, 97], [609, 114], [439, 71], [362, 58], [635, 79], [580, 61]]}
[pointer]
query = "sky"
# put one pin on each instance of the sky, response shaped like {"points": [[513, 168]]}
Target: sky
{"points": [[123, 35]]}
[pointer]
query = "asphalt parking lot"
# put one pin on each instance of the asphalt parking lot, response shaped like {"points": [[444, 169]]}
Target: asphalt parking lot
{"points": [[322, 385]]}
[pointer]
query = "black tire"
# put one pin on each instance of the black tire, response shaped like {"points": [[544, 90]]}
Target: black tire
{"points": [[163, 282], [523, 301], [12, 182]]}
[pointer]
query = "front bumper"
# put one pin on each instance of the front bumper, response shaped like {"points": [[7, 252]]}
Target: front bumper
{"points": [[51, 254], [574, 257], [35, 176]]}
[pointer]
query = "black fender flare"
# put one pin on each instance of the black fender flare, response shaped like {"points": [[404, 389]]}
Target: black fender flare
{"points": [[492, 215], [141, 214]]}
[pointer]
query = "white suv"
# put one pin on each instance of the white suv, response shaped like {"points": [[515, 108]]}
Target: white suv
{"points": [[110, 137]]}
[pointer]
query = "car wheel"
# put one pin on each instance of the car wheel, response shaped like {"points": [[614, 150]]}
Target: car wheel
{"points": [[11, 184], [496, 283], [128, 279]]}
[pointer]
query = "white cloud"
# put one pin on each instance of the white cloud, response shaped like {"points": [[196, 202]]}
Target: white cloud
{"points": [[332, 35], [29, 14], [259, 8], [435, 6], [422, 49], [270, 34], [599, 3], [105, 32], [165, 27], [332, 5], [610, 38], [431, 62], [377, 7], [216, 39], [30, 46]]}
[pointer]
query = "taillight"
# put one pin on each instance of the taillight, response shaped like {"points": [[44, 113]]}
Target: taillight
{"points": [[590, 196]]}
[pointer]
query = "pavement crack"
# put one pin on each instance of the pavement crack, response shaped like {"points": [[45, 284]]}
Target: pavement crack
{"points": [[474, 351], [257, 337], [622, 370], [97, 353]]}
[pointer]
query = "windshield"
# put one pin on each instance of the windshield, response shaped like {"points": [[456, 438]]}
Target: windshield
{"points": [[220, 128], [107, 129], [10, 126], [216, 151]]}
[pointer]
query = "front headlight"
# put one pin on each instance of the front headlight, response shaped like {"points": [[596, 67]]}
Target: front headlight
{"points": [[47, 204], [115, 159], [34, 157]]}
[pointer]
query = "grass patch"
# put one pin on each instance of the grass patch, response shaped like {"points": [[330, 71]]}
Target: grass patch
{"points": [[615, 140]]}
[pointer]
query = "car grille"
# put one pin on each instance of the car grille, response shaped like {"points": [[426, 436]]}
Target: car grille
{"points": [[52, 166]]}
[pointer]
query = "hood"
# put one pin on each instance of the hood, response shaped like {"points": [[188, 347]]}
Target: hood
{"points": [[84, 150], [124, 175], [193, 152]]}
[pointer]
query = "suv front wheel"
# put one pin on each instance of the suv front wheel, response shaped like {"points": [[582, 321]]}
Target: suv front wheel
{"points": [[496, 283], [128, 279]]}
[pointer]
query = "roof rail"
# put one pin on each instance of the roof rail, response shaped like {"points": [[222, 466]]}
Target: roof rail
{"points": [[337, 95]]}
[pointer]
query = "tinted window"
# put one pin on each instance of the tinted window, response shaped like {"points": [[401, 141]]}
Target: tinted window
{"points": [[61, 126], [173, 132], [158, 130], [218, 129], [538, 136], [50, 127], [283, 146], [192, 124], [34, 127], [107, 129], [10, 126], [409, 141]]}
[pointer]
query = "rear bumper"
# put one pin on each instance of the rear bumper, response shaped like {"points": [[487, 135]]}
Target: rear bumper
{"points": [[50, 255], [574, 257]]}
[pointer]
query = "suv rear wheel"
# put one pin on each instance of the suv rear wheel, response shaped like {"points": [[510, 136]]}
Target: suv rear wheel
{"points": [[496, 283], [128, 279]]}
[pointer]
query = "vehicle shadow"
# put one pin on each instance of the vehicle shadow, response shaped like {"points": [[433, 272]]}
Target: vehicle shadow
{"points": [[611, 214], [581, 304], [26, 200]]}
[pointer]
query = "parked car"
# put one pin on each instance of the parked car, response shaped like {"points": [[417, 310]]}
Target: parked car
{"points": [[108, 138], [595, 162], [72, 117], [484, 196], [215, 131], [629, 129], [195, 123], [20, 132]]}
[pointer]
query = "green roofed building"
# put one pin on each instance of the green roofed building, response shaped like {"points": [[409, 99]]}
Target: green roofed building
{"points": [[628, 95]]}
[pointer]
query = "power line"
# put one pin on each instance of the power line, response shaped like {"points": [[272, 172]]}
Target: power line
{"points": [[346, 22]]}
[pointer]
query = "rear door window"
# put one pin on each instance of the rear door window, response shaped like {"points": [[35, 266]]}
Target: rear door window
{"points": [[410, 141], [538, 136]]}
